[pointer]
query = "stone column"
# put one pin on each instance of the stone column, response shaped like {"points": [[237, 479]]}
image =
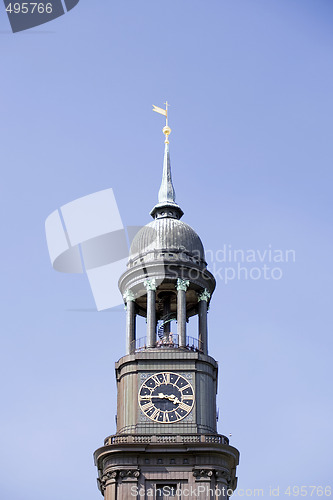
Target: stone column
{"points": [[128, 484], [108, 485], [182, 286], [151, 311], [223, 485], [203, 299], [130, 321], [111, 491]]}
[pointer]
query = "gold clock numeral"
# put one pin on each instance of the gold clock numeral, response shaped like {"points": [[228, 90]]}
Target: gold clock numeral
{"points": [[178, 416], [185, 407], [155, 414], [166, 378], [188, 396], [156, 380], [144, 398], [166, 417], [185, 386], [147, 406]]}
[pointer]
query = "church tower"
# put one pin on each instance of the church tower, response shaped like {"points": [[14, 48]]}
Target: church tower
{"points": [[166, 444]]}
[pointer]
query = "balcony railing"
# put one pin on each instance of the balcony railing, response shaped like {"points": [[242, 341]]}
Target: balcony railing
{"points": [[117, 439], [169, 342]]}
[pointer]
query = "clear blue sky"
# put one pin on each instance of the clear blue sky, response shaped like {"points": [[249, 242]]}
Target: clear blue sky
{"points": [[250, 87]]}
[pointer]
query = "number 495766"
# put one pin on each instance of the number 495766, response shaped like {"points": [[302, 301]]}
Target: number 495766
{"points": [[29, 8], [304, 491]]}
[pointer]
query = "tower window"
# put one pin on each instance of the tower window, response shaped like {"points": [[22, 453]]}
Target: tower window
{"points": [[172, 461], [185, 461], [160, 460], [147, 461]]}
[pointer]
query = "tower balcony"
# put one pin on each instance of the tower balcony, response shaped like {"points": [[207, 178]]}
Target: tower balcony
{"points": [[117, 439], [170, 342]]}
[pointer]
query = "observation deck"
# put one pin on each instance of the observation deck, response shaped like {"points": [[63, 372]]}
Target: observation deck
{"points": [[170, 342]]}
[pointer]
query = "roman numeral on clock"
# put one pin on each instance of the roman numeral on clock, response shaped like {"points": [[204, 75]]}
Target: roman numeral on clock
{"points": [[155, 414], [156, 380], [144, 397], [166, 378], [185, 407], [166, 417], [147, 406], [188, 396]]}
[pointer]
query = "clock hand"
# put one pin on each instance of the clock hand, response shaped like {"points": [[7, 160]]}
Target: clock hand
{"points": [[160, 395], [151, 396], [173, 398], [170, 397]]}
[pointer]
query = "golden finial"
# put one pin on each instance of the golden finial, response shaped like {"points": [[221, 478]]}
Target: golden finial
{"points": [[164, 112]]}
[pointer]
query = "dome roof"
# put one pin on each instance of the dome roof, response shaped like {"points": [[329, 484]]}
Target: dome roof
{"points": [[167, 234]]}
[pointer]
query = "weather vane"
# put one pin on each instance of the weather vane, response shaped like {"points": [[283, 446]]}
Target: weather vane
{"points": [[164, 112]]}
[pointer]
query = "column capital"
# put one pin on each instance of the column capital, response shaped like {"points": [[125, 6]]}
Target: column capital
{"points": [[223, 475], [182, 284], [128, 296], [150, 284], [204, 295], [108, 477], [129, 473], [203, 473]]}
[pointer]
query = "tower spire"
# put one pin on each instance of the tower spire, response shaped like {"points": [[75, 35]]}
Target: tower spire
{"points": [[167, 191], [166, 194]]}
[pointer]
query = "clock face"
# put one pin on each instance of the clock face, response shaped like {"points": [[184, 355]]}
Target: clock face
{"points": [[166, 397]]}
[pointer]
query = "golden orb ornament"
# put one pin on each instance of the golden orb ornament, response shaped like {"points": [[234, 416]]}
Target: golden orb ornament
{"points": [[166, 132]]}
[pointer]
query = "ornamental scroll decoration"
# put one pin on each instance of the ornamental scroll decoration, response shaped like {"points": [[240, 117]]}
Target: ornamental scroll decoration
{"points": [[204, 295], [208, 473], [112, 476], [129, 473], [150, 284], [107, 477], [182, 284], [128, 295], [201, 473], [223, 475]]}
